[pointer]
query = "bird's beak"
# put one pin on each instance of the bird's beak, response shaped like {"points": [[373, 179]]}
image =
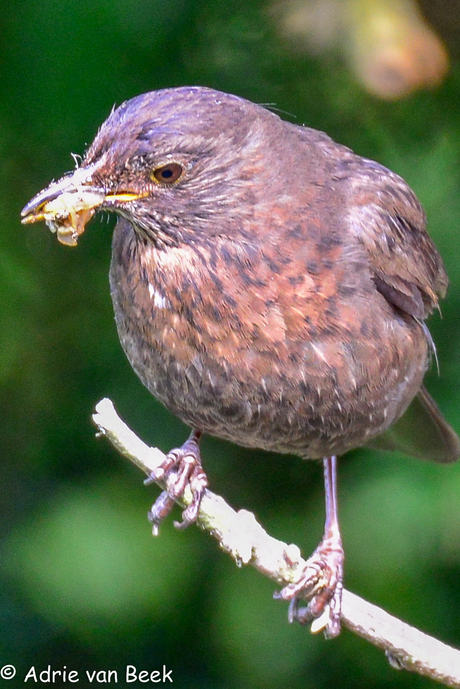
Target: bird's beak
{"points": [[67, 205]]}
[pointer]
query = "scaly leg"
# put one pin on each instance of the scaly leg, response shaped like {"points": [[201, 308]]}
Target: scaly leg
{"points": [[321, 581], [181, 468]]}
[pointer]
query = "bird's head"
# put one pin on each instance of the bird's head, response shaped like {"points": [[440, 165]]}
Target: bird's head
{"points": [[175, 163]]}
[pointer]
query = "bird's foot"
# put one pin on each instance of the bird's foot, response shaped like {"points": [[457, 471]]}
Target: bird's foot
{"points": [[320, 582], [180, 468]]}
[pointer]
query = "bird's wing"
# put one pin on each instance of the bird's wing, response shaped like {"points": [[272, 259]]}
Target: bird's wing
{"points": [[408, 271], [388, 220]]}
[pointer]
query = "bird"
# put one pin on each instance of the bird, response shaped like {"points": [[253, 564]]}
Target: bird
{"points": [[270, 287]]}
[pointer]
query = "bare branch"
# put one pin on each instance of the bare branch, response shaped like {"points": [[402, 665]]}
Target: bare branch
{"points": [[245, 540]]}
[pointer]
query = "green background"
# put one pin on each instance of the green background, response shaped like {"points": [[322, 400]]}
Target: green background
{"points": [[82, 582]]}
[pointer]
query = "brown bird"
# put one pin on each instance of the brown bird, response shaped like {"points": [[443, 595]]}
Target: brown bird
{"points": [[269, 286]]}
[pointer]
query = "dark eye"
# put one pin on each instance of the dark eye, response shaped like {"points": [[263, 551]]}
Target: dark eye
{"points": [[168, 174]]}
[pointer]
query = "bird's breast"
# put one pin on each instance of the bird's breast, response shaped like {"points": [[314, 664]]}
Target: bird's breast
{"points": [[281, 357]]}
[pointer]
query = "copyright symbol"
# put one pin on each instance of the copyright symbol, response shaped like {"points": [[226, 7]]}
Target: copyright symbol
{"points": [[7, 672]]}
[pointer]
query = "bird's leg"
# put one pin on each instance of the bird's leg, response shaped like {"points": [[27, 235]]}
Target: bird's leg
{"points": [[181, 468], [321, 579]]}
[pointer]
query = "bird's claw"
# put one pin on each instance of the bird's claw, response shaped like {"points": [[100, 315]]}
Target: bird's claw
{"points": [[320, 582], [180, 468]]}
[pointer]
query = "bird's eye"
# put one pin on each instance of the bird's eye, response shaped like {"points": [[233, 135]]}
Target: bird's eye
{"points": [[168, 174]]}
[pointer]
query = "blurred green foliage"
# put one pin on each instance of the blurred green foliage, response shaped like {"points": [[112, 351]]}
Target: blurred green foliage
{"points": [[82, 582]]}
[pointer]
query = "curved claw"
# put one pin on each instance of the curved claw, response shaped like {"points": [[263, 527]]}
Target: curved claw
{"points": [[181, 468], [321, 582], [159, 510]]}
